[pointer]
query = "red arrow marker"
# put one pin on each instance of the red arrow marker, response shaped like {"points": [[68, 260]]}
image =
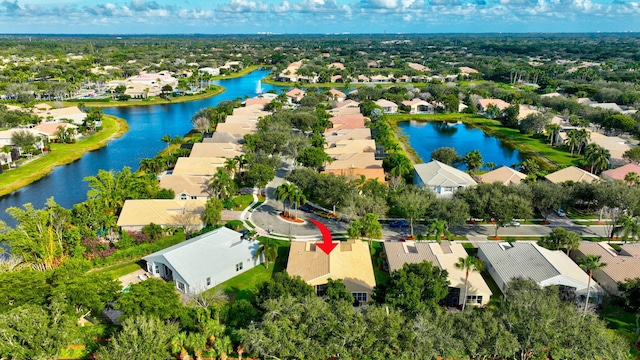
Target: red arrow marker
{"points": [[327, 245]]}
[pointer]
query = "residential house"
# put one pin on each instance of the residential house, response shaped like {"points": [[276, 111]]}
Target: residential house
{"points": [[357, 173], [205, 261], [571, 173], [419, 106], [621, 172], [360, 160], [337, 95], [202, 166], [257, 101], [607, 106], [388, 107], [466, 71], [484, 103], [336, 65], [525, 110], [295, 95], [335, 135], [143, 85], [444, 255], [224, 138], [350, 262], [504, 175], [136, 214], [350, 146], [441, 178], [209, 70], [53, 128], [6, 136], [417, 67], [348, 121], [186, 187], [69, 114], [616, 146], [527, 260], [209, 150], [621, 265], [347, 107], [238, 129], [381, 79]]}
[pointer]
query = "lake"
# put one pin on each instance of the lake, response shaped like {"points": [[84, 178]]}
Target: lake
{"points": [[147, 125], [424, 137]]}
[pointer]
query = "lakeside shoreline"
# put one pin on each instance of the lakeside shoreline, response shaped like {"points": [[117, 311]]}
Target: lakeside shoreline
{"points": [[510, 137], [29, 173]]}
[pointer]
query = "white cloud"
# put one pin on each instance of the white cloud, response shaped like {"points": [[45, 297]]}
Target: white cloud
{"points": [[239, 6]]}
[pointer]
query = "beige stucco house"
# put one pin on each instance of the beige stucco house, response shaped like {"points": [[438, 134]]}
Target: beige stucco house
{"points": [[350, 262]]}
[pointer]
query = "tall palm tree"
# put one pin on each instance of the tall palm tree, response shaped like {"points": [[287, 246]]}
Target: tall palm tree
{"points": [[473, 160], [268, 248], [630, 228], [470, 263], [572, 140], [583, 138], [553, 130], [231, 165], [589, 264], [221, 185], [597, 156], [296, 198], [283, 193]]}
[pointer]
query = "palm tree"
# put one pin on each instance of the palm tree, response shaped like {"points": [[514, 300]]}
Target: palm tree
{"points": [[231, 165], [470, 263], [630, 228], [572, 140], [166, 139], [296, 198], [283, 193], [491, 165], [439, 229], [583, 138], [473, 160], [268, 248], [590, 263], [597, 156], [221, 185], [553, 130], [632, 178]]}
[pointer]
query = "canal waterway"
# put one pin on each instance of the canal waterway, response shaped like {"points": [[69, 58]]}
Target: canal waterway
{"points": [[424, 137], [147, 125]]}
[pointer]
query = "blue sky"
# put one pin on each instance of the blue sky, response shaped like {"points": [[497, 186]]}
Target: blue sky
{"points": [[315, 16]]}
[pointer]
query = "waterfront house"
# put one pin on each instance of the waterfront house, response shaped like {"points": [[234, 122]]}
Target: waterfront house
{"points": [[350, 262], [504, 175], [444, 255], [388, 107], [205, 261], [295, 95], [571, 173], [419, 106], [202, 166], [185, 214], [441, 178], [187, 187]]}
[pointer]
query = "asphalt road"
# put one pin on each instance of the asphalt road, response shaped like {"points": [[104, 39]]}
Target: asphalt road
{"points": [[265, 217]]}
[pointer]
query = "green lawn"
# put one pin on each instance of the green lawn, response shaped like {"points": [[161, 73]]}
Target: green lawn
{"points": [[60, 154], [119, 270], [623, 323], [377, 251], [243, 201], [243, 285], [496, 292], [526, 144]]}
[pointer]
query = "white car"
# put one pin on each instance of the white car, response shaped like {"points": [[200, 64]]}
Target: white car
{"points": [[513, 224]]}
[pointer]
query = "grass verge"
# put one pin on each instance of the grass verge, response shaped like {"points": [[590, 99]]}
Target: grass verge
{"points": [[61, 154], [123, 269]]}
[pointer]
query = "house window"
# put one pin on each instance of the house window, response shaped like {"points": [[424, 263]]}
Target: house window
{"points": [[238, 266], [474, 299], [208, 281], [360, 297], [181, 286], [183, 196]]}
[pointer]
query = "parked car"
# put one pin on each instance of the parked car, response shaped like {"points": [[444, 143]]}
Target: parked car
{"points": [[561, 212], [306, 208], [513, 224], [326, 215], [399, 224]]}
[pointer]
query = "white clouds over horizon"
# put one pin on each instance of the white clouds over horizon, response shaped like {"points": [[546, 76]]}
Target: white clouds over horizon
{"points": [[316, 16]]}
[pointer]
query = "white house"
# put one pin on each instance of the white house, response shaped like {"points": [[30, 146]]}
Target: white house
{"points": [[388, 107], [527, 260], [443, 179], [419, 106], [205, 261]]}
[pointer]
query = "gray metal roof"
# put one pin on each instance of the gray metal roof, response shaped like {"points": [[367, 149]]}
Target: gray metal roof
{"points": [[522, 259], [207, 253]]}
